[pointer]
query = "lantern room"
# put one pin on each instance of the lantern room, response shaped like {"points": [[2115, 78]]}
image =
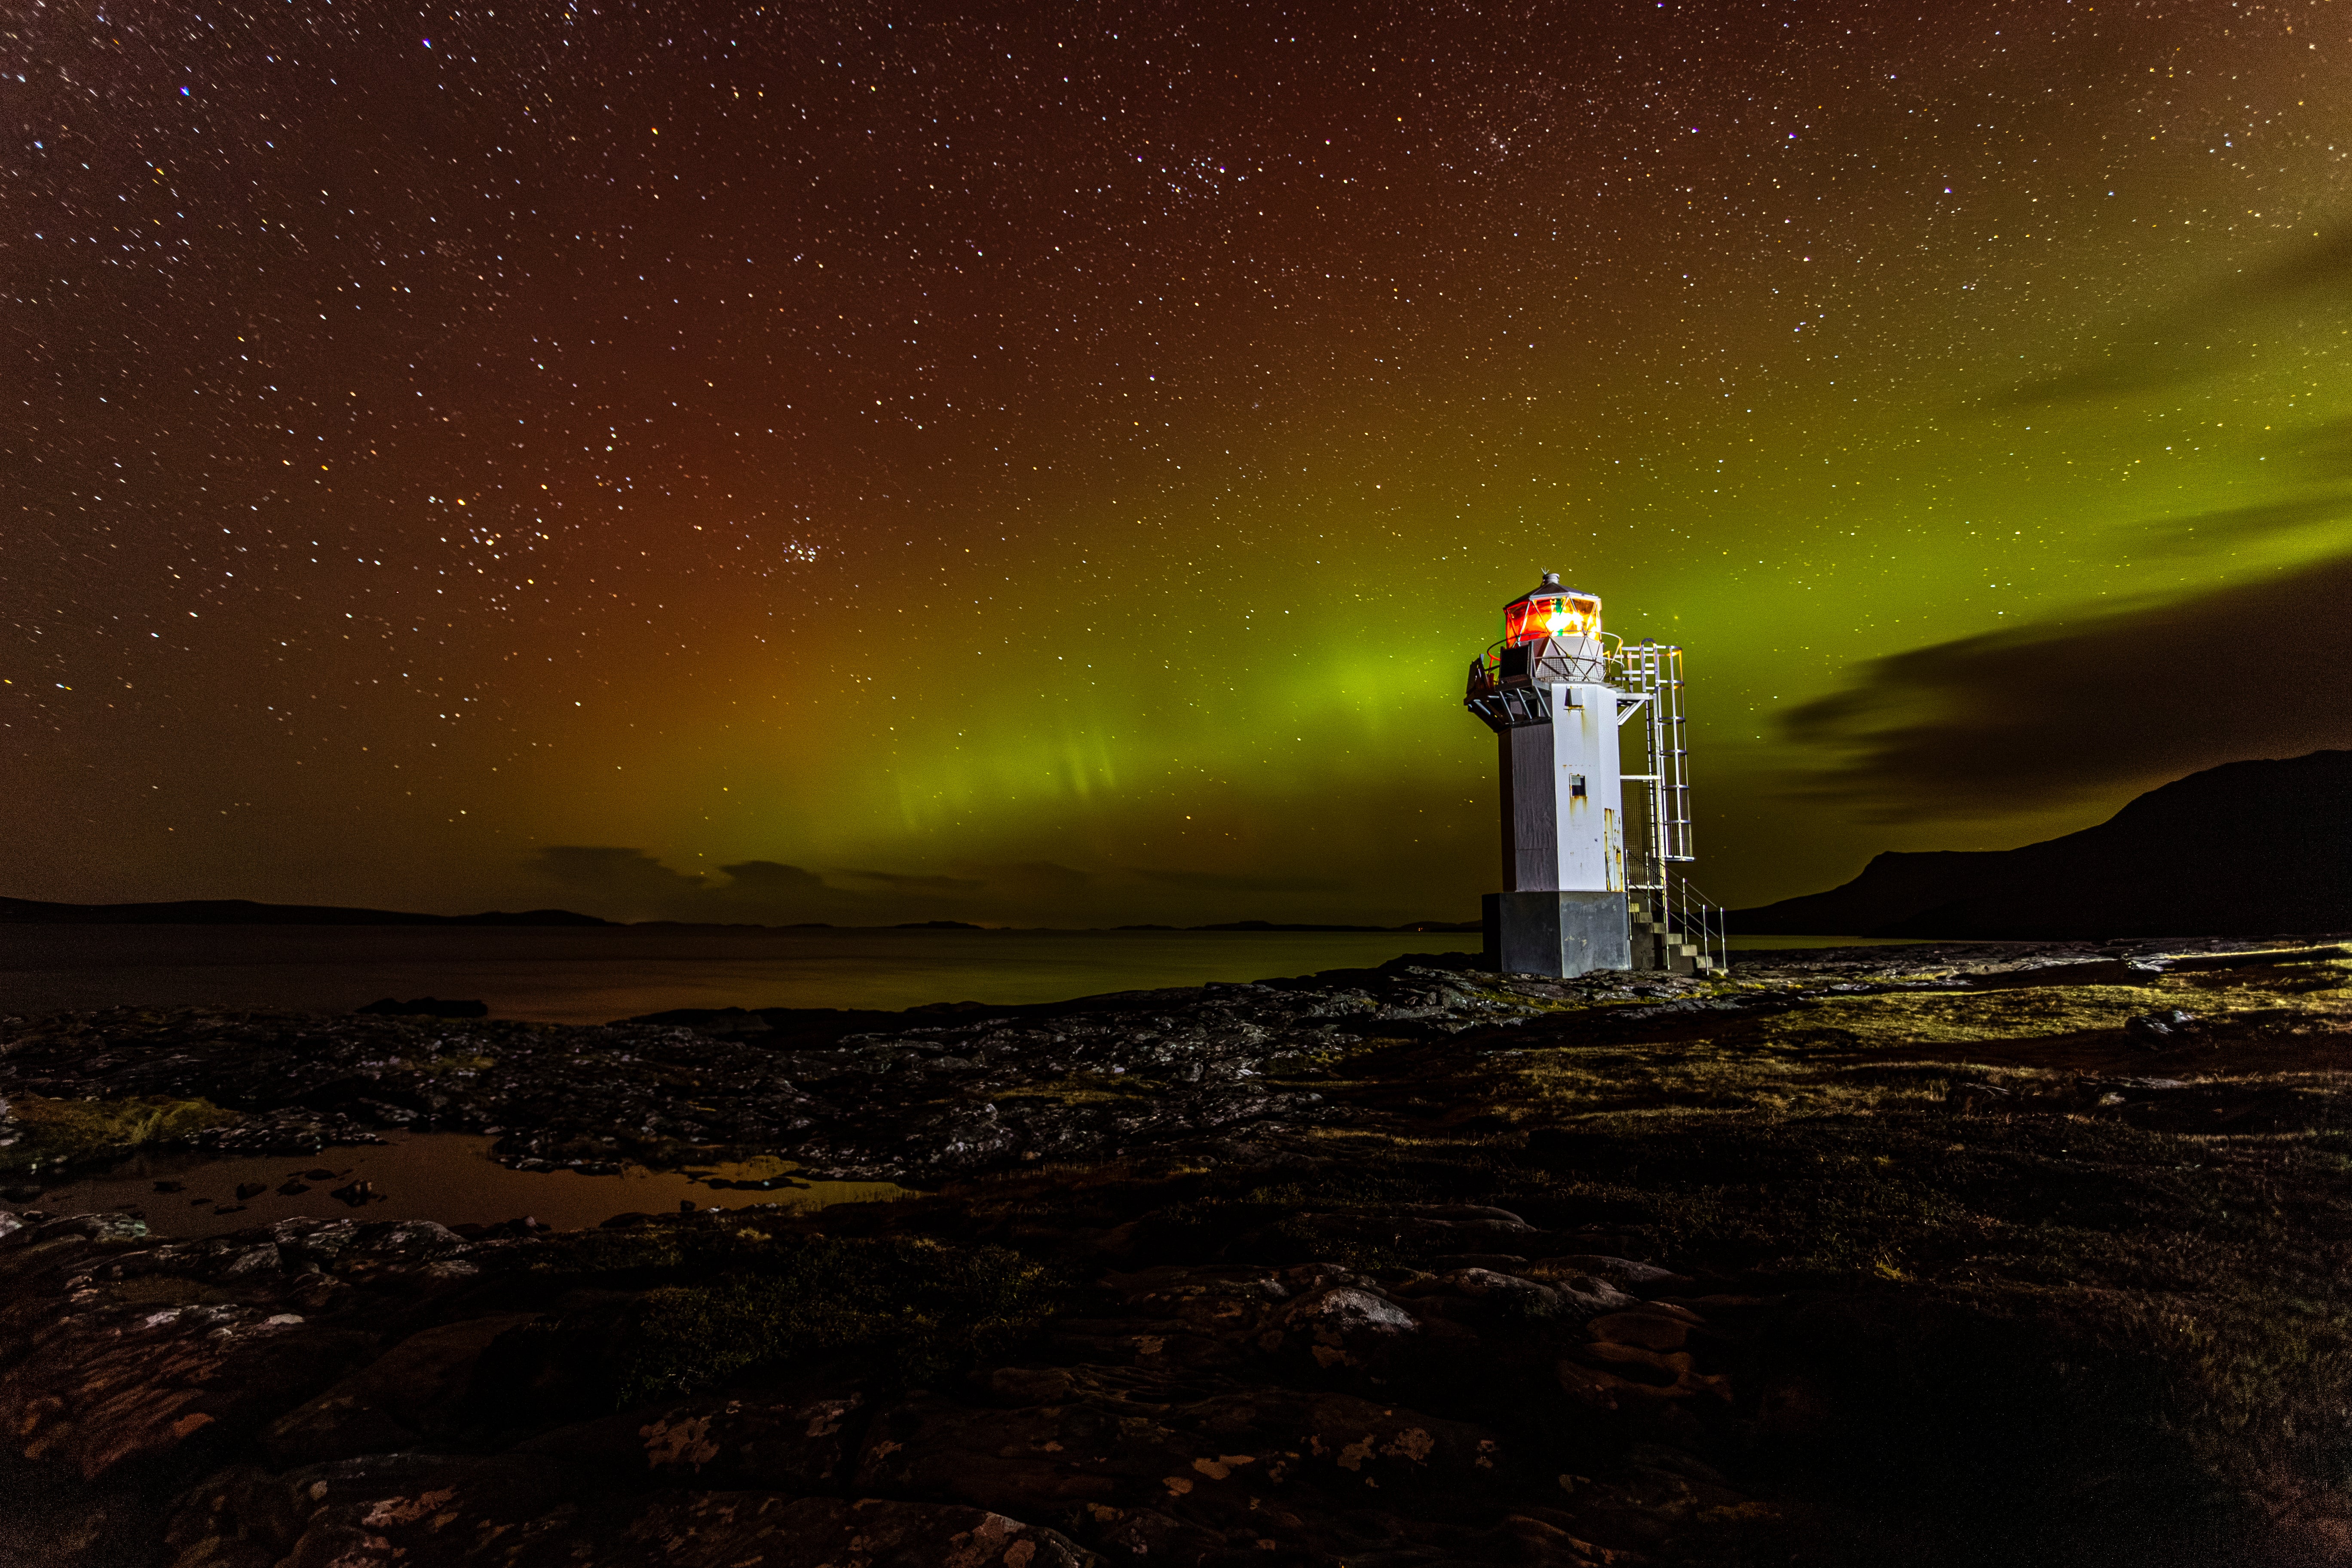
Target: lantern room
{"points": [[1550, 635], [1550, 611]]}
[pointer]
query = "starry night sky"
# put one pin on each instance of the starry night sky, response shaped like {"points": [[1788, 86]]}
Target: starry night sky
{"points": [[1053, 464]]}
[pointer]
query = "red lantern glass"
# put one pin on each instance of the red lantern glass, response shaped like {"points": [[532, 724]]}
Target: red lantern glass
{"points": [[1550, 615]]}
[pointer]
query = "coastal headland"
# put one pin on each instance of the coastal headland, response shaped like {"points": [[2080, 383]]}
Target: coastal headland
{"points": [[1937, 1254]]}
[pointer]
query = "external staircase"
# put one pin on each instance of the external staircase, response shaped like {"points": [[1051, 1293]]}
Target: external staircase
{"points": [[1676, 931], [1673, 927]]}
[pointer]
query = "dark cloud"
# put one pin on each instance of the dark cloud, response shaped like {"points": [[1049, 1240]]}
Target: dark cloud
{"points": [[2238, 524], [900, 883], [1240, 882], [2198, 335], [2317, 455], [2325, 266], [1035, 877], [616, 873], [631, 884], [2323, 451], [771, 877], [1992, 725]]}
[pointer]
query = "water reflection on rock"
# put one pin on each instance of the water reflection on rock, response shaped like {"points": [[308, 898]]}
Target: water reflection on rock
{"points": [[443, 1176]]}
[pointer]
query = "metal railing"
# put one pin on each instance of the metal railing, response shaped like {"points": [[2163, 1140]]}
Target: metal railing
{"points": [[1673, 923], [1542, 661]]}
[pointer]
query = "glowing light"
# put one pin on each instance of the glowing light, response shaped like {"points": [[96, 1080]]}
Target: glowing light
{"points": [[1549, 615]]}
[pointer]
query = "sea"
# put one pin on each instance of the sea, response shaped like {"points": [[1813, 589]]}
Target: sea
{"points": [[597, 974]]}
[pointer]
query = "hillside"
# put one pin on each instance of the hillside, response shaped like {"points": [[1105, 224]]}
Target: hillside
{"points": [[245, 913], [2243, 849]]}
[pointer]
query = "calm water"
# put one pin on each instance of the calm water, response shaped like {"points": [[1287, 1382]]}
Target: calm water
{"points": [[598, 974], [444, 1176]]}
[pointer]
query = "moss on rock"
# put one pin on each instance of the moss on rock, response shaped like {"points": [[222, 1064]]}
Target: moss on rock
{"points": [[43, 1134], [931, 1307]]}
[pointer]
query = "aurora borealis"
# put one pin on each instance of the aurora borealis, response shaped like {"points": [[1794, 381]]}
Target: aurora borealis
{"points": [[1053, 464]]}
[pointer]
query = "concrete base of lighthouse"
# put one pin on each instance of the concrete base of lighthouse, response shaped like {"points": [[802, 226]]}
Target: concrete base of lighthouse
{"points": [[1557, 934]]}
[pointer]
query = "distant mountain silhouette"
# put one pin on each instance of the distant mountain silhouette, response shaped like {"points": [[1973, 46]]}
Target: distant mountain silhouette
{"points": [[2246, 848], [244, 912]]}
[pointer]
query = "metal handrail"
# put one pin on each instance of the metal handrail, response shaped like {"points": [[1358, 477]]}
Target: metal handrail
{"points": [[1683, 916], [1611, 669], [1697, 922]]}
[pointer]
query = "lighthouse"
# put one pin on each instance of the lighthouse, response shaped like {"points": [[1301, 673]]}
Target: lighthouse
{"points": [[1593, 762]]}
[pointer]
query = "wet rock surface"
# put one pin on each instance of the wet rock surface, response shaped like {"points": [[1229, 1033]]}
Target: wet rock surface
{"points": [[1918, 1256], [977, 1088]]}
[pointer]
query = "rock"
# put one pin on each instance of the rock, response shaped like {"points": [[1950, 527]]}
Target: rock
{"points": [[1971, 1098], [419, 1510], [798, 1442], [1639, 1279], [1654, 1330], [1342, 1325], [919, 1097], [1518, 1296], [437, 1510], [102, 1396], [253, 1260], [292, 1189], [1289, 1361], [2159, 1031], [1431, 1232], [424, 1007], [414, 1390], [1637, 1356], [90, 1228], [1502, 1262], [355, 1194], [422, 1236], [1106, 1450], [722, 1530]]}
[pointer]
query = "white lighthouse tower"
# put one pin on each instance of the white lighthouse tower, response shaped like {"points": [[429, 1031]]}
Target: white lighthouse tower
{"points": [[1589, 878]]}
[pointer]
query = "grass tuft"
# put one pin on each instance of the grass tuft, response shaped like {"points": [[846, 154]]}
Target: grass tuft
{"points": [[46, 1134]]}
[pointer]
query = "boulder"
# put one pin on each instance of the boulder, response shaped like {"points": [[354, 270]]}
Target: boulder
{"points": [[1624, 1273], [419, 1510], [1343, 1326], [415, 1390], [729, 1529], [799, 1442], [178, 1388], [1239, 1459], [443, 1510]]}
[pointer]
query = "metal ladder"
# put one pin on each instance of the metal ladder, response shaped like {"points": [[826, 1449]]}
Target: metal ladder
{"points": [[1675, 927], [1654, 673]]}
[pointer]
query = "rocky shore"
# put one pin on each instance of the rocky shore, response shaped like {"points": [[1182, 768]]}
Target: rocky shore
{"points": [[1942, 1255]]}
